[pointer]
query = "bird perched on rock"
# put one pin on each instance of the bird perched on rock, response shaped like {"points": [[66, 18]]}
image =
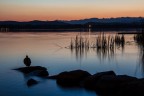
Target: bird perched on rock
{"points": [[27, 61]]}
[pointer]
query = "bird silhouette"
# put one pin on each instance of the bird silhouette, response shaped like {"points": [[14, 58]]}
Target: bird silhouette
{"points": [[27, 61]]}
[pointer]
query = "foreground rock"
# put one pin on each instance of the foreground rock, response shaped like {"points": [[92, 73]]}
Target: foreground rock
{"points": [[114, 85], [103, 83], [31, 82], [110, 84], [91, 81], [72, 78], [35, 70]]}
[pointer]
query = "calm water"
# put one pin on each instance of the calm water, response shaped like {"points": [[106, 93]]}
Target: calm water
{"points": [[48, 50]]}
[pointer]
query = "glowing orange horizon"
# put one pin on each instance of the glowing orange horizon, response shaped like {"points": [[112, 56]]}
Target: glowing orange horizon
{"points": [[20, 10], [77, 17], [73, 15]]}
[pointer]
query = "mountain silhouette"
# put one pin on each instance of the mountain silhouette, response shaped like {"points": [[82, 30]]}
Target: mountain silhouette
{"points": [[108, 20], [121, 22]]}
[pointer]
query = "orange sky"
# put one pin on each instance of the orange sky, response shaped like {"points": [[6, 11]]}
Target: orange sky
{"points": [[22, 10]]}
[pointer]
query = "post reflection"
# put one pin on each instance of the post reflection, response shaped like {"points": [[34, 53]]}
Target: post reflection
{"points": [[139, 39], [104, 45]]}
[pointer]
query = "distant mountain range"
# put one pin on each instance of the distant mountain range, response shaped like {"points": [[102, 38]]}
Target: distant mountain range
{"points": [[35, 22], [82, 21], [121, 22], [108, 20]]}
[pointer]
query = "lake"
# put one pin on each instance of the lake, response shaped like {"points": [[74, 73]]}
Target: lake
{"points": [[50, 50]]}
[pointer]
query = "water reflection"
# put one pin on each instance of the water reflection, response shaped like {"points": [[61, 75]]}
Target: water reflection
{"points": [[142, 61], [139, 38], [104, 45], [43, 49]]}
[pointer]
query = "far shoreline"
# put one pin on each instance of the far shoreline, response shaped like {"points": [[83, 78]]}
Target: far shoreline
{"points": [[126, 30]]}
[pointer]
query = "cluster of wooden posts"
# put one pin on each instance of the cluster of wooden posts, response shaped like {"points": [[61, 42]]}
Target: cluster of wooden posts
{"points": [[101, 42]]}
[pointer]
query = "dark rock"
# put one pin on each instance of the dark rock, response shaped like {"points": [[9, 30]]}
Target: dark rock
{"points": [[52, 77], [72, 78], [36, 70], [109, 84], [31, 82], [134, 88], [91, 81], [43, 73], [112, 84], [103, 83]]}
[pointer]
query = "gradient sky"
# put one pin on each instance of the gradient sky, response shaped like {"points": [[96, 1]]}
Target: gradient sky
{"points": [[26, 10]]}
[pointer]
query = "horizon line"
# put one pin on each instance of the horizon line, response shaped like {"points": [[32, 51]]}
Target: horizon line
{"points": [[76, 19]]}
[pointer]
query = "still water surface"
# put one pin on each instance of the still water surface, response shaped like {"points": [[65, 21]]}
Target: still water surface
{"points": [[48, 50]]}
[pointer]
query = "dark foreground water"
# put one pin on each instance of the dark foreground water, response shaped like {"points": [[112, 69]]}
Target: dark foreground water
{"points": [[48, 50]]}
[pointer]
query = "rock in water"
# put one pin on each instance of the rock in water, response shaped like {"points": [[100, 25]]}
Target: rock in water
{"points": [[31, 82], [91, 81], [27, 61], [37, 70], [72, 78]]}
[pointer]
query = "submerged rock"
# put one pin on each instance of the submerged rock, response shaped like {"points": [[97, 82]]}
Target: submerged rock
{"points": [[31, 82], [36, 70], [71, 78]]}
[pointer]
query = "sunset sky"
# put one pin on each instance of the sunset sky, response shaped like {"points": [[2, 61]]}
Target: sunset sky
{"points": [[27, 10]]}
